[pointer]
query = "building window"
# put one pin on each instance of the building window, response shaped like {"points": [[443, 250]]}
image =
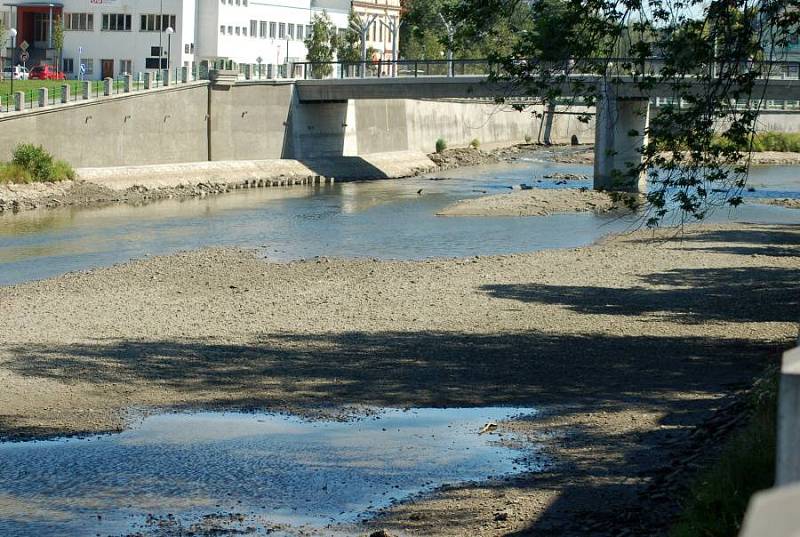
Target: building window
{"points": [[157, 23], [186, 48], [125, 67], [89, 64], [238, 30], [222, 27], [253, 28], [262, 29], [272, 30], [290, 31], [79, 21], [230, 30], [300, 29], [116, 22], [308, 29], [281, 30], [69, 65]]}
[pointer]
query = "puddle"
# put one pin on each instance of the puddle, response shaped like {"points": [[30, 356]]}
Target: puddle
{"points": [[262, 473]]}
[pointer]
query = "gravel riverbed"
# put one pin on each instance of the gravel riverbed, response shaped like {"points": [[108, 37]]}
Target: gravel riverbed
{"points": [[626, 346]]}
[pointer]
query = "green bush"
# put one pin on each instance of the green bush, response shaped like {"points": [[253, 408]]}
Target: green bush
{"points": [[12, 173], [441, 145], [34, 163], [475, 143], [777, 141]]}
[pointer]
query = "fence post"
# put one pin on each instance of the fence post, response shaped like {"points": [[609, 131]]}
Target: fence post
{"points": [[108, 85], [86, 89], [787, 461], [19, 100], [127, 83], [167, 78], [65, 91], [43, 97], [148, 80], [184, 75]]}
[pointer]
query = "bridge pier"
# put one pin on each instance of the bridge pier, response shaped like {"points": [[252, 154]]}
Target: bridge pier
{"points": [[620, 133]]}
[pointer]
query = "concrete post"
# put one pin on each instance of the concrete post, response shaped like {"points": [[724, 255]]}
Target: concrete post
{"points": [[19, 100], [184, 75], [65, 92], [616, 147], [787, 463], [247, 72], [549, 116], [108, 86], [148, 80], [43, 97], [166, 77], [86, 89], [127, 83]]}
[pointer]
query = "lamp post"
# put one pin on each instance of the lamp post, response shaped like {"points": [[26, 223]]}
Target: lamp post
{"points": [[13, 34], [170, 31]]}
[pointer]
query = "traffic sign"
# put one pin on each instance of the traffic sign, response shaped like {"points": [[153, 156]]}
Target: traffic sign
{"points": [[83, 68], [24, 56], [24, 46]]}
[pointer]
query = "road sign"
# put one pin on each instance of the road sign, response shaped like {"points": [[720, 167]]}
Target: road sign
{"points": [[83, 68], [24, 46], [80, 50], [24, 56]]}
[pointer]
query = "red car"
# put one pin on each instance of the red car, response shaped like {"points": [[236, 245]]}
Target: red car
{"points": [[45, 72]]}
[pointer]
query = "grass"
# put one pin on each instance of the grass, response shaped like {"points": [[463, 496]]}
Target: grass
{"points": [[777, 141], [33, 164], [31, 88], [717, 501]]}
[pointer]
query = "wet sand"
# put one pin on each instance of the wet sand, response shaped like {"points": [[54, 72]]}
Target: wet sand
{"points": [[788, 203], [627, 346]]}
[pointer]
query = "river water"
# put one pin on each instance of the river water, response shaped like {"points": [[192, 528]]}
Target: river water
{"points": [[381, 219]]}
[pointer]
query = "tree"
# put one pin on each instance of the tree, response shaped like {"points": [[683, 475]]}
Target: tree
{"points": [[321, 43], [348, 44], [712, 57], [58, 40], [3, 40]]}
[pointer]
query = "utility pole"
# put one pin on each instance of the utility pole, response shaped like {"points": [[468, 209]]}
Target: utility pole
{"points": [[394, 27], [363, 29]]}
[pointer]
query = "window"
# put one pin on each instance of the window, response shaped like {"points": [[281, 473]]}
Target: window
{"points": [[230, 30], [238, 30], [125, 67], [300, 29], [89, 64], [253, 28], [116, 22], [157, 23], [291, 31], [186, 48], [222, 27], [69, 65], [79, 21], [272, 30], [244, 31], [281, 31], [308, 29], [262, 29]]}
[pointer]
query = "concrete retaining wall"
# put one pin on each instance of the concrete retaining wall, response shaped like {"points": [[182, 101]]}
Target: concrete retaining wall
{"points": [[159, 126]]}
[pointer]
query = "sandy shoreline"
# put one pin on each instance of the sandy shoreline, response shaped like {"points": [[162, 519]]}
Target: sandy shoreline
{"points": [[626, 346]]}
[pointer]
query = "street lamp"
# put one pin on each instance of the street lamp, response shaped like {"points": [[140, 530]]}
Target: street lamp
{"points": [[170, 31], [13, 34]]}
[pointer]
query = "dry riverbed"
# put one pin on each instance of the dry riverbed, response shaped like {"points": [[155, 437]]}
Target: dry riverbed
{"points": [[626, 346]]}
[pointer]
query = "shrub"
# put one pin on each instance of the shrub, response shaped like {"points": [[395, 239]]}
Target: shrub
{"points": [[528, 138], [34, 159], [475, 143], [62, 171], [13, 173], [441, 145]]}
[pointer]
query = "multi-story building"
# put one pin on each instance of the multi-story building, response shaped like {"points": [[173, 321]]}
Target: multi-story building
{"points": [[379, 37], [105, 38]]}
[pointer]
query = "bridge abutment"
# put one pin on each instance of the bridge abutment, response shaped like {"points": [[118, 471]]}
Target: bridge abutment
{"points": [[620, 134]]}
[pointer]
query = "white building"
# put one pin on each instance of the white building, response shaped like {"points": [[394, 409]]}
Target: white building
{"points": [[112, 37]]}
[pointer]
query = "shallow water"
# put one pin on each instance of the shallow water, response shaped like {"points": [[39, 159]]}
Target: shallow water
{"points": [[380, 219], [276, 470]]}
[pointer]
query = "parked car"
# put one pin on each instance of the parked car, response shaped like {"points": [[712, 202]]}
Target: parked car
{"points": [[17, 72], [45, 72]]}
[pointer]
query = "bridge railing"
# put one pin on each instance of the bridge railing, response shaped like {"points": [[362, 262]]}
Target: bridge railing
{"points": [[528, 67]]}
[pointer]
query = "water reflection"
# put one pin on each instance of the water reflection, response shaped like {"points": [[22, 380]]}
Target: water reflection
{"points": [[271, 468], [382, 219]]}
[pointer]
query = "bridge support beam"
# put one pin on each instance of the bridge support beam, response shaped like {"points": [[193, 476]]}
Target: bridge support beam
{"points": [[620, 133]]}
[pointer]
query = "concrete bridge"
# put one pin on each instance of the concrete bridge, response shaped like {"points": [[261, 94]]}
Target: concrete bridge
{"points": [[622, 110]]}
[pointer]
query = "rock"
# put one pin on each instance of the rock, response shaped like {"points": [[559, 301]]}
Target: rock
{"points": [[380, 533], [502, 516]]}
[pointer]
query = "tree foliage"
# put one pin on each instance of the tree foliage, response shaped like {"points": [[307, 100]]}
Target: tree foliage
{"points": [[3, 43], [709, 58], [58, 38], [348, 47], [321, 44]]}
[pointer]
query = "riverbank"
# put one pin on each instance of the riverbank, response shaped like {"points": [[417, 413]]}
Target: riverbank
{"points": [[757, 158], [626, 347]]}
